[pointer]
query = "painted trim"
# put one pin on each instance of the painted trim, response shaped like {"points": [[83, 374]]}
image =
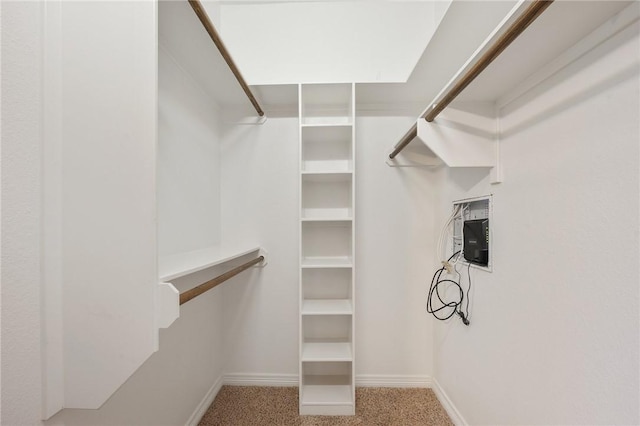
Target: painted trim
{"points": [[364, 380], [447, 404], [393, 381], [206, 402], [248, 379]]}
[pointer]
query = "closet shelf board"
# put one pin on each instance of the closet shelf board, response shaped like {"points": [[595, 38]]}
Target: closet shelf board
{"points": [[327, 307], [326, 351], [328, 124], [327, 219], [322, 394], [182, 264], [327, 262]]}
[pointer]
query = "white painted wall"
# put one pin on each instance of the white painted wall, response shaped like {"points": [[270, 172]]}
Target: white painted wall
{"points": [[260, 203], [175, 381], [394, 245], [21, 27], [108, 200], [171, 385], [313, 42], [554, 333], [188, 172], [168, 388], [260, 200]]}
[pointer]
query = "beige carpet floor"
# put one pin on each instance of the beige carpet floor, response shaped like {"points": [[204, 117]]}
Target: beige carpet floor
{"points": [[264, 406]]}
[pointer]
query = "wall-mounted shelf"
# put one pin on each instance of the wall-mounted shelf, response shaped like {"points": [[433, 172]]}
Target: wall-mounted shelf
{"points": [[181, 264], [168, 298], [466, 133]]}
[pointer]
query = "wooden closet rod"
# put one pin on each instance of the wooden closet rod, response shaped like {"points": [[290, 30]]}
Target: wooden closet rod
{"points": [[204, 18], [408, 137], [197, 291], [534, 10]]}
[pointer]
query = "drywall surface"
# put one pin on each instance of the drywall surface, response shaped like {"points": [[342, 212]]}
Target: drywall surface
{"points": [[260, 204], [394, 242], [168, 388], [554, 334], [108, 227], [188, 170], [174, 382], [260, 175], [21, 156], [315, 42], [172, 385]]}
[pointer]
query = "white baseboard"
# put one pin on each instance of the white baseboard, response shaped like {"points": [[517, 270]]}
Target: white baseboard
{"points": [[248, 379], [365, 380], [197, 415], [393, 381], [447, 404]]}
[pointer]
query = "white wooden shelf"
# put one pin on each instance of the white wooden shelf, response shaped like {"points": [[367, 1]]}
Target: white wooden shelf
{"points": [[332, 176], [327, 307], [327, 390], [342, 122], [182, 264], [327, 262], [326, 166], [344, 173], [326, 352], [317, 214], [327, 219]]}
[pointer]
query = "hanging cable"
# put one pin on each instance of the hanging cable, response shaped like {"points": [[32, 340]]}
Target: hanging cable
{"points": [[446, 304], [446, 308]]}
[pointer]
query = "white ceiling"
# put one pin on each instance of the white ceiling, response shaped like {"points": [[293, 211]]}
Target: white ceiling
{"points": [[284, 42]]}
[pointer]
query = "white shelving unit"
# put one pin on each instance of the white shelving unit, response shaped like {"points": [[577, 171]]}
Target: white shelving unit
{"points": [[327, 152]]}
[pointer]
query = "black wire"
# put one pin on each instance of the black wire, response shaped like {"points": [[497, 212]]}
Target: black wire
{"points": [[452, 307]]}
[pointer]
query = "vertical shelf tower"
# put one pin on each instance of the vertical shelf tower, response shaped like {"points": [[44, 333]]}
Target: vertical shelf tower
{"points": [[327, 268]]}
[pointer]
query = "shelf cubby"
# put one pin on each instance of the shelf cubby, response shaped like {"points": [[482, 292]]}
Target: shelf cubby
{"points": [[326, 104], [327, 196], [327, 149], [326, 239], [326, 338], [326, 284], [329, 385]]}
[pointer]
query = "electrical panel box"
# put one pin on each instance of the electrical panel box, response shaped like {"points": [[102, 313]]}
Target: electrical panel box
{"points": [[472, 231]]}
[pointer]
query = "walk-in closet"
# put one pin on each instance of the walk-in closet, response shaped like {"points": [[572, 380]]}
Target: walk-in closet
{"points": [[302, 212]]}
